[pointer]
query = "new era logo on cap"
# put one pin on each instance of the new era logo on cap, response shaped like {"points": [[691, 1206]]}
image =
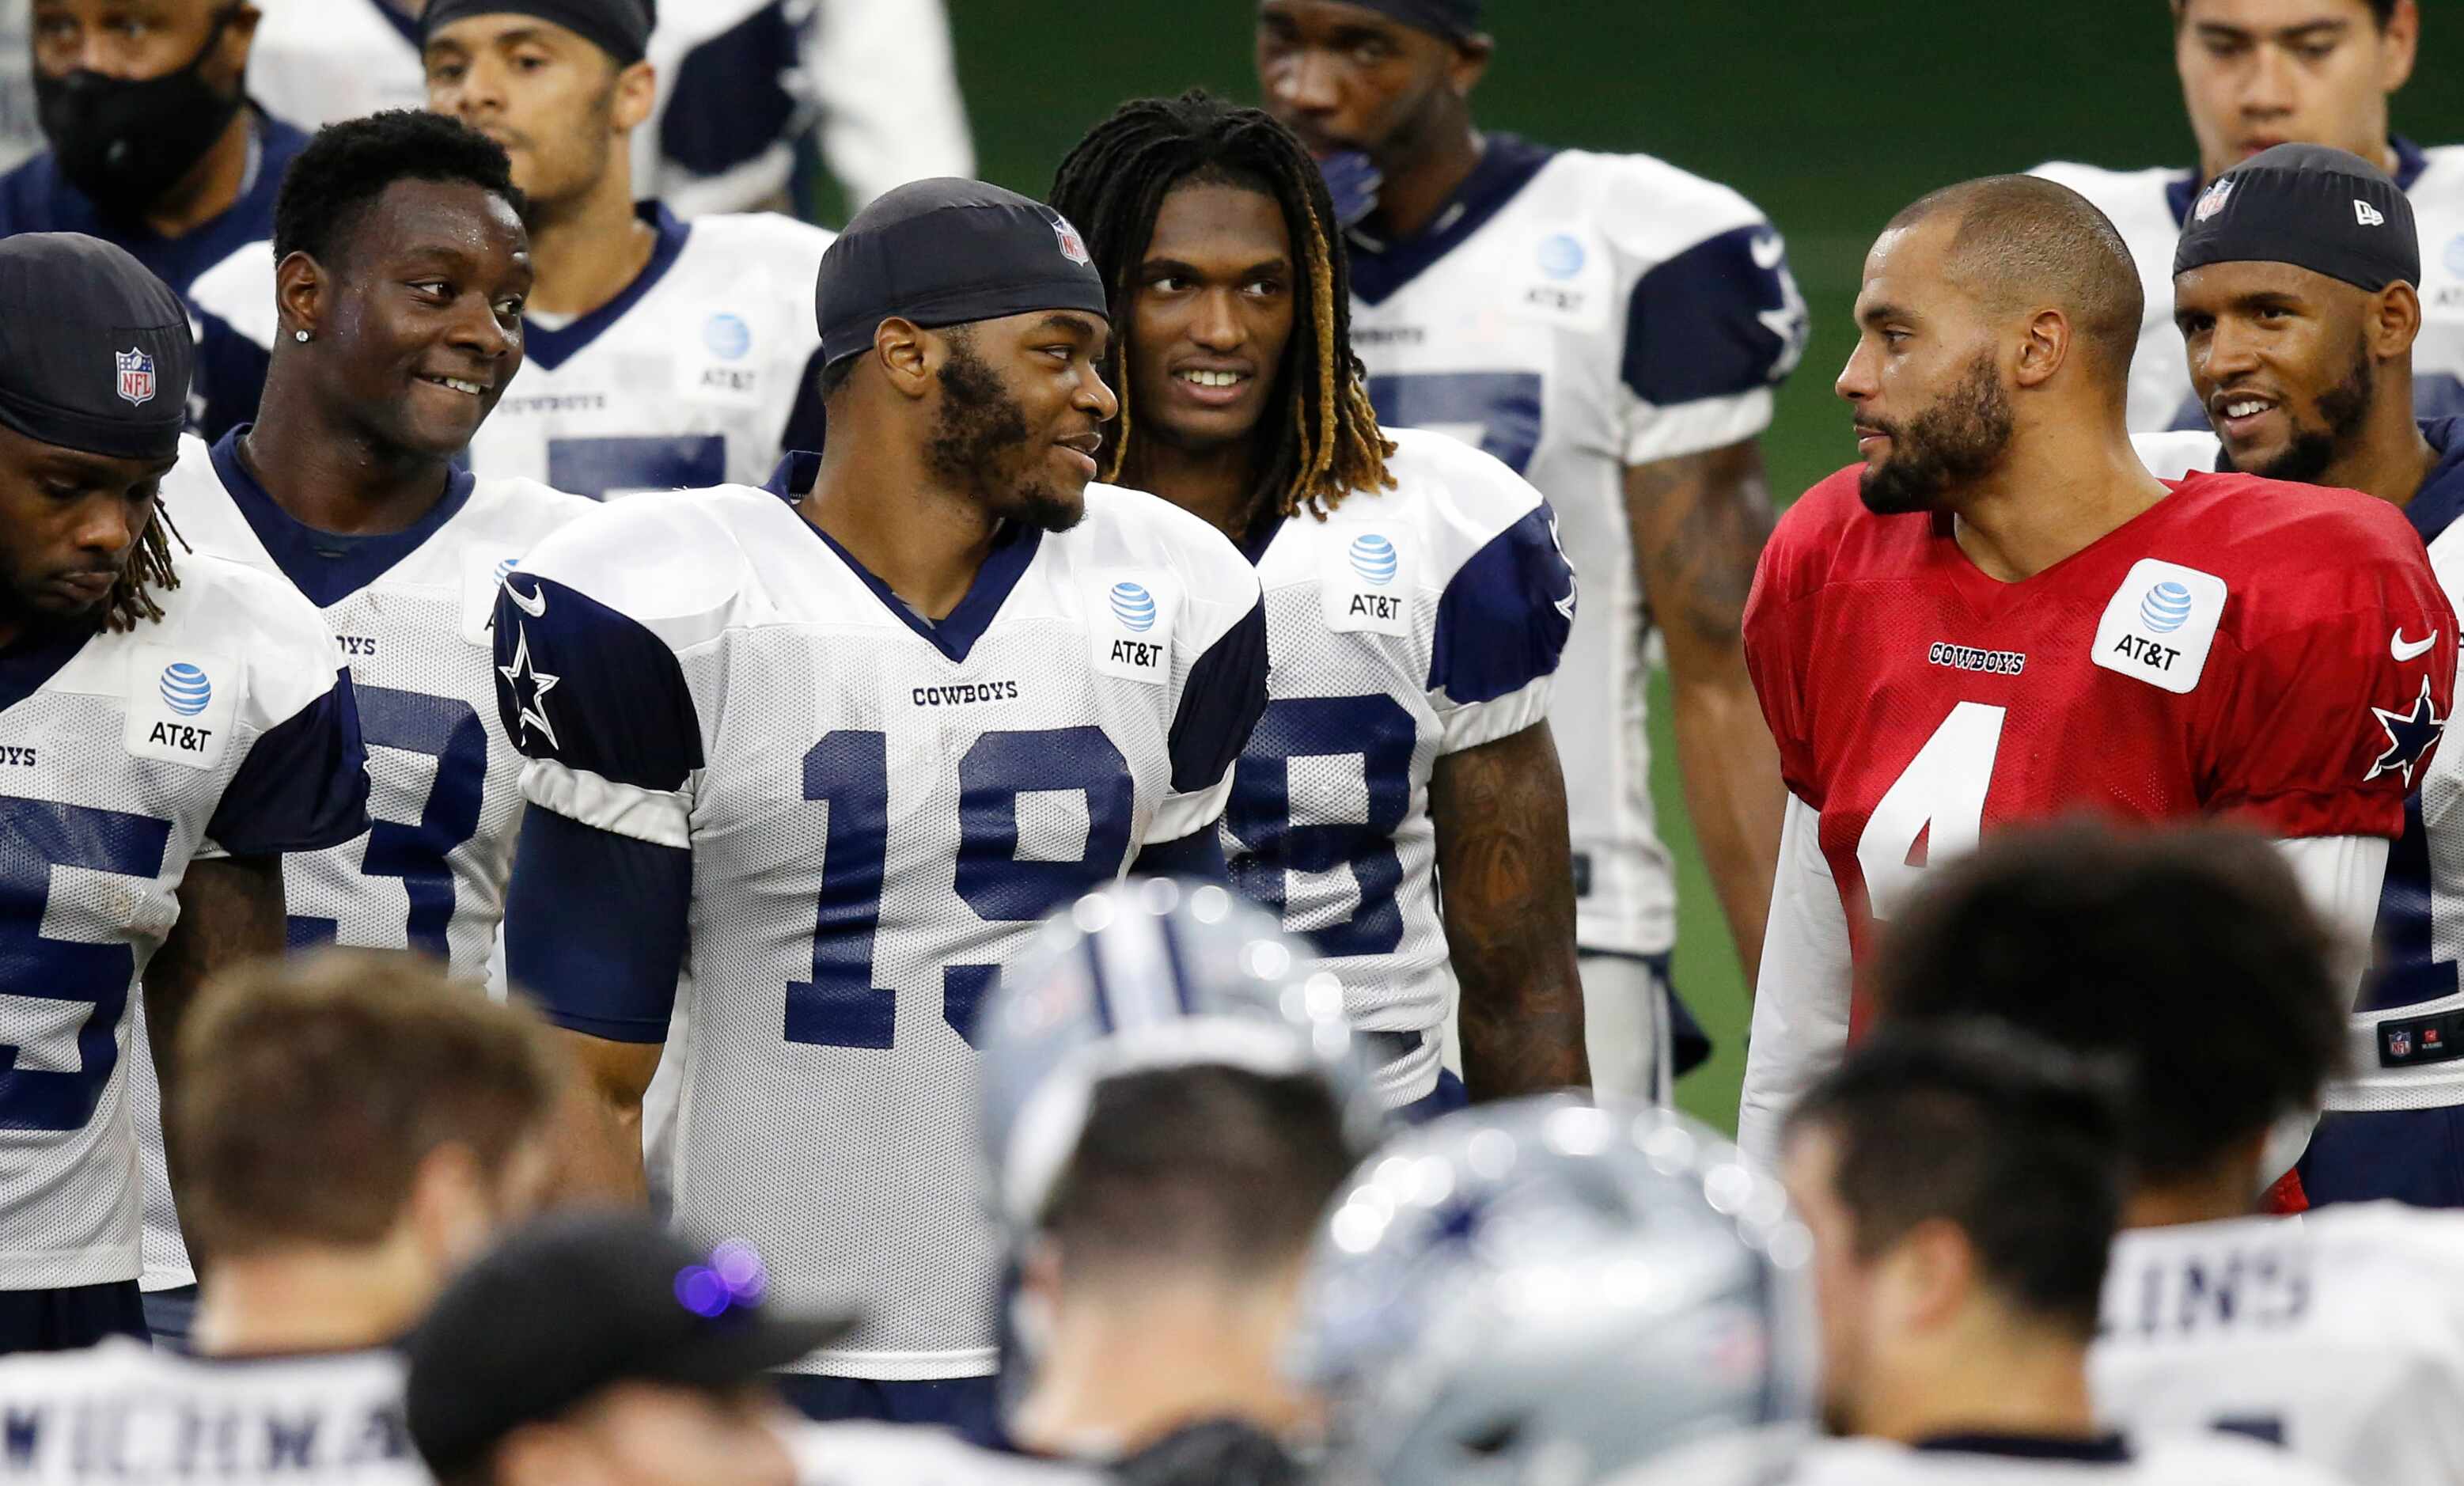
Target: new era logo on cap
{"points": [[2367, 214], [136, 376], [2213, 201]]}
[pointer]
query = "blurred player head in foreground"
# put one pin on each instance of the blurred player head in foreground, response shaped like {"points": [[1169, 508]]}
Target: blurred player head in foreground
{"points": [[562, 84], [1232, 304], [1995, 325], [1545, 1290], [2188, 955], [1963, 1184], [1381, 93], [2295, 289], [351, 1129], [139, 110], [1167, 1104], [2260, 73], [401, 269], [964, 329], [93, 389], [602, 1348]]}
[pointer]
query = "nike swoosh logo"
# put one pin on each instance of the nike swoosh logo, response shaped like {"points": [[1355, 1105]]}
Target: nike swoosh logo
{"points": [[2404, 649], [1768, 250], [535, 605]]}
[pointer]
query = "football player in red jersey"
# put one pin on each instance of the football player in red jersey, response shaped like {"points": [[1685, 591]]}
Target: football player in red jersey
{"points": [[2001, 616]]}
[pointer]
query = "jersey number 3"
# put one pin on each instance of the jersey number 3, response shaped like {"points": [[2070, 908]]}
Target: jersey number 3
{"points": [[1934, 811]]}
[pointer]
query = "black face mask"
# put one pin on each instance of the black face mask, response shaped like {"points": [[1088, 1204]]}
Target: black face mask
{"points": [[125, 142]]}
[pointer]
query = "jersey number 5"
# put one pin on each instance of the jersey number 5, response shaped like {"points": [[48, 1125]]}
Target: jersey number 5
{"points": [[1934, 811]]}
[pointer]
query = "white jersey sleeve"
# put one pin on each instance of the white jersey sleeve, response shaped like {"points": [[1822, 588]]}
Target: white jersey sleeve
{"points": [[123, 1411], [887, 81], [2339, 1336], [1771, 1458], [1801, 1001], [886, 1454]]}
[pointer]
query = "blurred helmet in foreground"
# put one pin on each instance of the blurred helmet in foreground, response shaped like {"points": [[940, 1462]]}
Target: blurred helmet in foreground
{"points": [[1148, 974], [1544, 1293]]}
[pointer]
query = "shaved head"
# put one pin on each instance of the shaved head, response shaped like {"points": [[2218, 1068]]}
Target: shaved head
{"points": [[2020, 244]]}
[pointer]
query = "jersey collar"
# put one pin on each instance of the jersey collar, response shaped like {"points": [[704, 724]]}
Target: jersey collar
{"points": [[2440, 500], [2182, 192], [1507, 164], [553, 348], [954, 634], [2102, 1449], [327, 566]]}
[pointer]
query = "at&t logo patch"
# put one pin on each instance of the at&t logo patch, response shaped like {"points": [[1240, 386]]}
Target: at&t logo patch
{"points": [[1365, 579], [181, 706], [185, 690], [1128, 627], [1135, 607], [2159, 624]]}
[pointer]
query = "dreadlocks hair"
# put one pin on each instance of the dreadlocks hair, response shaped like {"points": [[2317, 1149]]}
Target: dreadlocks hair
{"points": [[1111, 186], [132, 601]]}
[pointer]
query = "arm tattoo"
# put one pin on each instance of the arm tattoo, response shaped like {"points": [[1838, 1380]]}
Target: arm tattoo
{"points": [[1507, 886], [1698, 524]]}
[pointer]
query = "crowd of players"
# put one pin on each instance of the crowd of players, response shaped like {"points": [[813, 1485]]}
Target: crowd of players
{"points": [[944, 742]]}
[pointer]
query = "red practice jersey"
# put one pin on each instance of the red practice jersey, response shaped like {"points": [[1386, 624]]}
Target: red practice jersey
{"points": [[2280, 654]]}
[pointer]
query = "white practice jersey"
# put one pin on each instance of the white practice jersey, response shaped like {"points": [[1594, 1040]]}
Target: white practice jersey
{"points": [[122, 1413], [889, 1454], [756, 766], [2148, 207], [226, 729], [1771, 1458], [1574, 315], [697, 374], [1413, 623], [2339, 1336], [413, 612], [739, 82]]}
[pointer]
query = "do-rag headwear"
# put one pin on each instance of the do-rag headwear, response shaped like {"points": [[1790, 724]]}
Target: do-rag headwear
{"points": [[947, 252], [2320, 208], [95, 351], [619, 28]]}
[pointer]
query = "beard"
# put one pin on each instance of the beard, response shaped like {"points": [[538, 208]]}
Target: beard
{"points": [[2343, 409], [979, 433], [1959, 439]]}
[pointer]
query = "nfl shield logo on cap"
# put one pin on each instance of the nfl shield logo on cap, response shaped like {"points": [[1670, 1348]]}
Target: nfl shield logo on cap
{"points": [[2213, 201], [1072, 245], [136, 377]]}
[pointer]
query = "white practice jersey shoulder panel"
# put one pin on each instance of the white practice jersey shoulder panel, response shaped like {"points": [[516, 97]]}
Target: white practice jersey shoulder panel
{"points": [[114, 769], [1519, 340], [123, 1411], [876, 827], [688, 378], [1328, 821], [2341, 1335], [2142, 204]]}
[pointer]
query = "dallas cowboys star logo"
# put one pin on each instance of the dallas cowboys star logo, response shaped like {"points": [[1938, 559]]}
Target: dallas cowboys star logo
{"points": [[533, 712], [2409, 735]]}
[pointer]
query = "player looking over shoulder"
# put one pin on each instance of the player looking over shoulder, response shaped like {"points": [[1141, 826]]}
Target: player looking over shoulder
{"points": [[2302, 349], [345, 488], [2256, 74], [660, 353], [2189, 955], [842, 743], [1416, 603], [423, 1107], [167, 736], [2000, 615], [1610, 328]]}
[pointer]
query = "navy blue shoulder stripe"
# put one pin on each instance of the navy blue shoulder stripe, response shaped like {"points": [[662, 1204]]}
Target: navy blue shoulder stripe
{"points": [[304, 784], [1222, 702], [1503, 621], [590, 688]]}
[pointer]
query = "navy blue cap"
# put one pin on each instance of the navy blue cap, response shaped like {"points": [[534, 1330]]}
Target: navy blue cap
{"points": [[1455, 20], [96, 352], [619, 28], [2320, 208], [947, 252]]}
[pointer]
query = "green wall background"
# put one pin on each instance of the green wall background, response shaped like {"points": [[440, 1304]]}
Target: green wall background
{"points": [[1829, 116]]}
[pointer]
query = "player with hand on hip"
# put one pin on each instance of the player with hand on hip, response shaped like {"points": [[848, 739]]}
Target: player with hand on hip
{"points": [[1610, 328], [1416, 603], [2001, 614], [167, 734], [809, 763]]}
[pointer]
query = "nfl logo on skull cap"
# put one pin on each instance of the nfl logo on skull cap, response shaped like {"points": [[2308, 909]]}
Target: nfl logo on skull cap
{"points": [[136, 377], [1072, 245], [2213, 201]]}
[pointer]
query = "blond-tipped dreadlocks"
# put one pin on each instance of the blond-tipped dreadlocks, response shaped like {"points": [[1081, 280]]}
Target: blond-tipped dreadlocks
{"points": [[132, 601], [1113, 186]]}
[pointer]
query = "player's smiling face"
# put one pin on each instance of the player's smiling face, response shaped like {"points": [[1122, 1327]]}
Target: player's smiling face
{"points": [[550, 96], [2281, 359], [1022, 406], [2261, 73], [69, 523], [1212, 316], [419, 328], [1344, 76], [1931, 413]]}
